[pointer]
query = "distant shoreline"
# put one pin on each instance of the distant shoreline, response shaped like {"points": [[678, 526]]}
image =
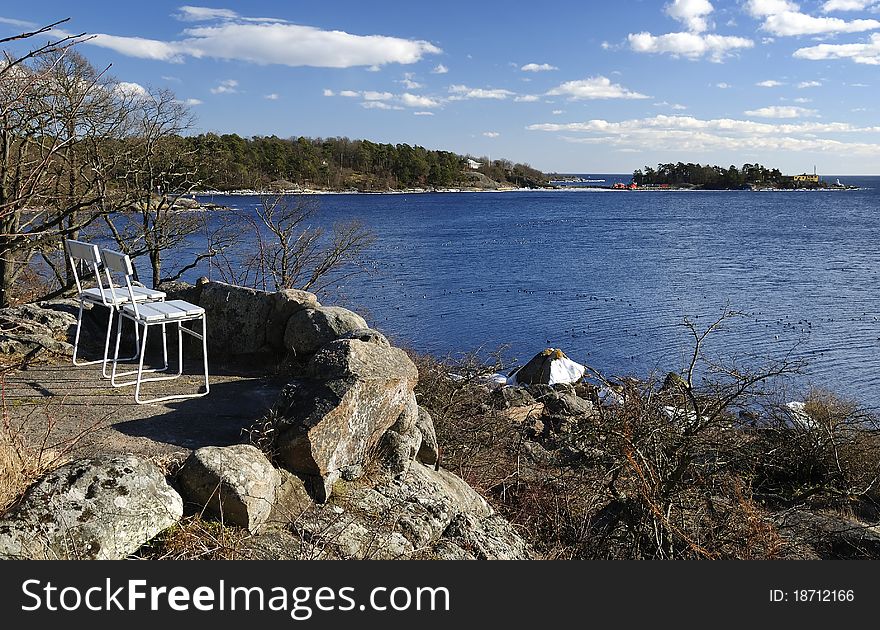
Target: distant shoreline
{"points": [[421, 191]]}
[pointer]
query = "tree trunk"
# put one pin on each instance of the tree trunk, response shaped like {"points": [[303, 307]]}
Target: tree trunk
{"points": [[7, 266]]}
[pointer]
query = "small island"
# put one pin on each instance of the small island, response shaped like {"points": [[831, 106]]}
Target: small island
{"points": [[681, 176]]}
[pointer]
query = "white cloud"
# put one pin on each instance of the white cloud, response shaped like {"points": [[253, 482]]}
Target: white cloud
{"points": [[17, 23], [329, 93], [535, 67], [781, 111], [691, 13], [377, 105], [763, 8], [192, 102], [675, 106], [139, 47], [440, 69], [271, 97], [349, 94], [867, 53], [423, 113], [172, 79], [557, 112], [723, 86], [230, 86], [203, 14], [127, 89], [808, 84], [463, 92], [692, 45], [226, 35], [791, 24], [527, 98], [598, 87], [847, 5], [414, 100], [491, 134], [679, 134], [803, 100], [409, 83], [377, 96], [770, 83]]}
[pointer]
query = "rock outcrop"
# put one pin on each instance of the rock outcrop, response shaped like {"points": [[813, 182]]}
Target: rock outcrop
{"points": [[91, 509], [427, 514], [42, 326], [235, 484], [309, 329], [333, 419], [355, 462], [236, 318]]}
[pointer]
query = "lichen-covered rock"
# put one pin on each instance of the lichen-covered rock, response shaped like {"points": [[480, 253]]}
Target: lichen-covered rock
{"points": [[284, 304], [235, 484], [491, 538], [335, 418], [429, 450], [236, 318], [563, 404], [369, 335], [91, 509], [45, 325], [180, 290], [410, 517], [310, 328], [507, 397]]}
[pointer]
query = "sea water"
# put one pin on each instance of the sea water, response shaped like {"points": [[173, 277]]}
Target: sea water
{"points": [[610, 277]]}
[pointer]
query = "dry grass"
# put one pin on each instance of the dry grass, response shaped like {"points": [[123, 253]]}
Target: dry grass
{"points": [[28, 448], [194, 538], [637, 484]]}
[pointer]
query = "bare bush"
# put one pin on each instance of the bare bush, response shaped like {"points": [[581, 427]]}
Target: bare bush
{"points": [[289, 252]]}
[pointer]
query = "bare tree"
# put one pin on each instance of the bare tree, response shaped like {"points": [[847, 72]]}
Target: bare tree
{"points": [[47, 190], [147, 215], [289, 252]]}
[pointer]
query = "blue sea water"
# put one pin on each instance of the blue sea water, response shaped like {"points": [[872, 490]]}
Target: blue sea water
{"points": [[610, 276]]}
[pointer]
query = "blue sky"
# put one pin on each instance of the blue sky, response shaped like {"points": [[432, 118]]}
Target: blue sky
{"points": [[565, 86]]}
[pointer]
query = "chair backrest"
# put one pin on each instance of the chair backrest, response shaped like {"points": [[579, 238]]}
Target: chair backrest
{"points": [[117, 262], [82, 253]]}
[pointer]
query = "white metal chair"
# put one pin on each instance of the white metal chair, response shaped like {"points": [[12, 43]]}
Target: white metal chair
{"points": [[81, 254], [146, 314]]}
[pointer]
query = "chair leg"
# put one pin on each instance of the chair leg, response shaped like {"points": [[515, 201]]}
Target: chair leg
{"points": [[205, 351], [79, 319], [140, 372], [180, 330], [116, 354]]}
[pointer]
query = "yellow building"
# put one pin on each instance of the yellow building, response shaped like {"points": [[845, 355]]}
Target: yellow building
{"points": [[807, 179]]}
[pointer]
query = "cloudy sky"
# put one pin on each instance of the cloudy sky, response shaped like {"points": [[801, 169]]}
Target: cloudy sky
{"points": [[565, 86]]}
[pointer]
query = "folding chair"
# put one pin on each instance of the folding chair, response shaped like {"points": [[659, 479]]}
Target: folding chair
{"points": [[146, 314], [87, 255]]}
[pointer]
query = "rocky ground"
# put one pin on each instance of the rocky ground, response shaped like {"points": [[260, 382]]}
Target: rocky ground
{"points": [[347, 464]]}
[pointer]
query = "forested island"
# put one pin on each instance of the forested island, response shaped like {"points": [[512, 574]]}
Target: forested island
{"points": [[697, 176], [230, 162]]}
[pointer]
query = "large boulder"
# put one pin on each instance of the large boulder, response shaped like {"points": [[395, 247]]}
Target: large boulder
{"points": [[334, 419], [284, 304], [235, 484], [309, 329], [236, 318], [91, 509]]}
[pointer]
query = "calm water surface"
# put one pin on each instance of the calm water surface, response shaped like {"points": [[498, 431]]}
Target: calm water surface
{"points": [[610, 276]]}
